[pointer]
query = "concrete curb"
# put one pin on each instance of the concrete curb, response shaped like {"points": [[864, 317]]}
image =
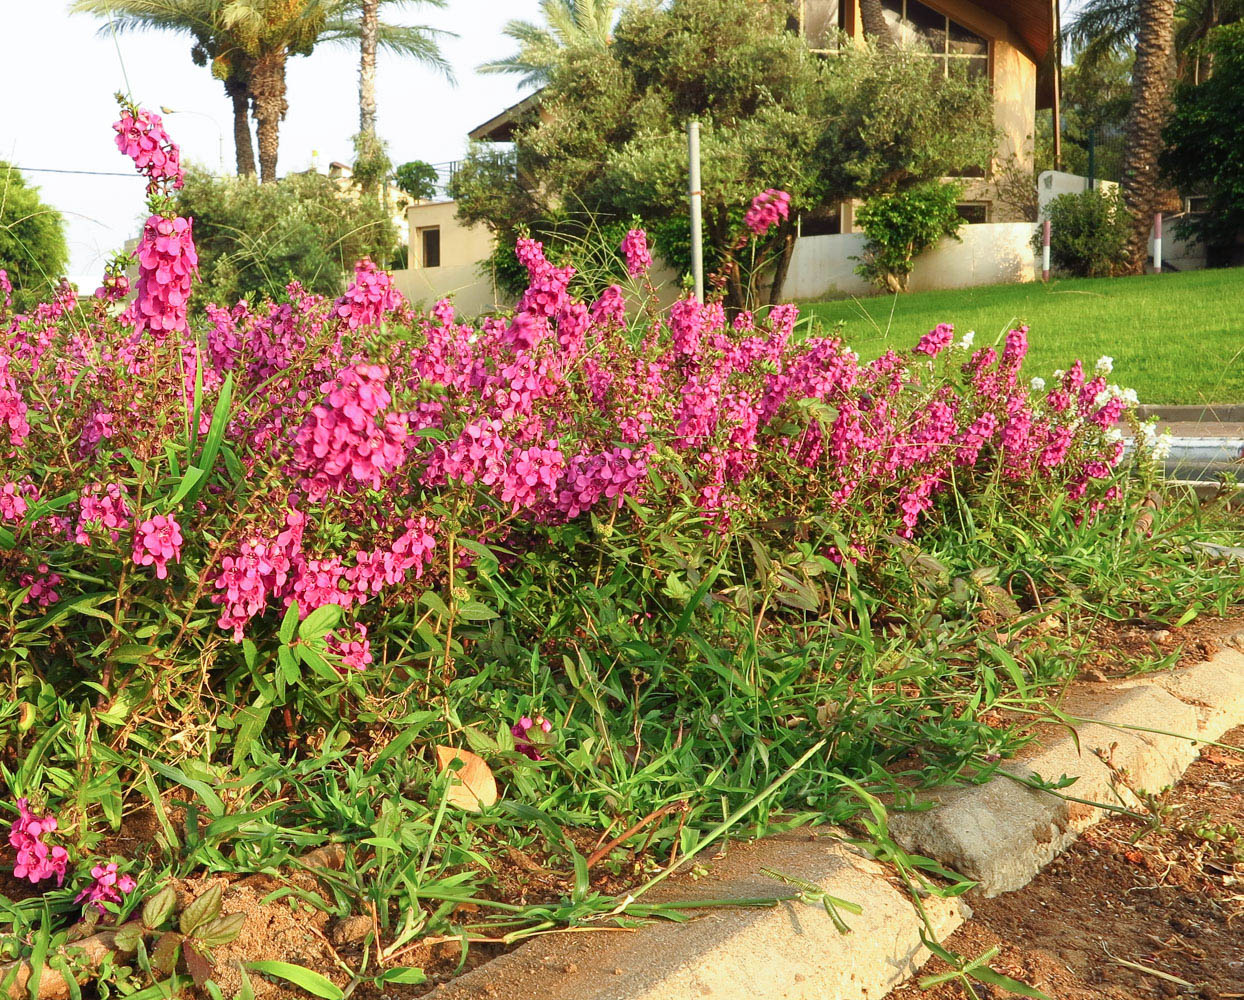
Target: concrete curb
{"points": [[1000, 833], [1198, 413], [788, 952]]}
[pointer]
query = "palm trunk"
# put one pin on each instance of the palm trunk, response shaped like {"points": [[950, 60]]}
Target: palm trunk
{"points": [[1152, 82], [244, 149], [368, 31], [268, 94], [873, 17]]}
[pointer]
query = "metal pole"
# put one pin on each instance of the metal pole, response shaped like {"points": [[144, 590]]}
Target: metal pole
{"points": [[697, 223], [1157, 242], [1092, 157], [1045, 251]]}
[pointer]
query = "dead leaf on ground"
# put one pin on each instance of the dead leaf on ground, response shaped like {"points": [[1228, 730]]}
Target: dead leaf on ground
{"points": [[471, 786]]}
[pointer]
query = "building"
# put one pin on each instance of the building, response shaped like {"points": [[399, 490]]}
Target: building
{"points": [[1003, 41]]}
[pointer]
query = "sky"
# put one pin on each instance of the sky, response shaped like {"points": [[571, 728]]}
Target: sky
{"points": [[58, 75]]}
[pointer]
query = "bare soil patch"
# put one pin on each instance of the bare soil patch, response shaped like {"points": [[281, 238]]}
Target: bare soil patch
{"points": [[1167, 895]]}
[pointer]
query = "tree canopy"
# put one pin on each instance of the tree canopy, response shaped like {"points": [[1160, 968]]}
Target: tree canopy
{"points": [[609, 139], [32, 239], [1205, 144]]}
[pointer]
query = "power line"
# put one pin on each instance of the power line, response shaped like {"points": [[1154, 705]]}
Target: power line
{"points": [[54, 170]]}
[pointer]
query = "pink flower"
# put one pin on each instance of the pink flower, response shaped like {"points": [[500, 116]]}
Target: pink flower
{"points": [[936, 340], [768, 208], [36, 859], [167, 263], [141, 137], [156, 541], [522, 739], [354, 649], [107, 886], [635, 250]]}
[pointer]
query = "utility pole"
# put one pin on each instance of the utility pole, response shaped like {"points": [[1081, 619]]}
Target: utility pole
{"points": [[1058, 85], [696, 195]]}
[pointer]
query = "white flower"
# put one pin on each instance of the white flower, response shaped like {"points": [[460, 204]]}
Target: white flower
{"points": [[1038, 384], [1105, 365], [1149, 433], [1059, 373], [1113, 435], [1129, 396], [1162, 450], [1103, 397], [966, 340]]}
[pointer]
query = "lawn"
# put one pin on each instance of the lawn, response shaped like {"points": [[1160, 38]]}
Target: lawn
{"points": [[1175, 338]]}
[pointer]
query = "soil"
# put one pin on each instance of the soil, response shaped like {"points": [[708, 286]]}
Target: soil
{"points": [[1166, 897]]}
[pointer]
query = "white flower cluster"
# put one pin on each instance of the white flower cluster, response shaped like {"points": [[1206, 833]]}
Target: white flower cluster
{"points": [[966, 340], [1116, 392], [1037, 384], [1157, 445], [1105, 365]]}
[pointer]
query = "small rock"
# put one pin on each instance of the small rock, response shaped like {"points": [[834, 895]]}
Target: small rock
{"points": [[1162, 635], [351, 930]]}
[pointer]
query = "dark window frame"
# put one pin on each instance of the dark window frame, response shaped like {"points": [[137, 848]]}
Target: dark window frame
{"points": [[432, 258]]}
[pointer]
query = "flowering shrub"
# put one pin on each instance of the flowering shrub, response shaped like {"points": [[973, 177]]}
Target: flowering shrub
{"points": [[258, 499]]}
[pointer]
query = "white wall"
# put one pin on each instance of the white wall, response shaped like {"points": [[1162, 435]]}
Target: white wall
{"points": [[1052, 183], [990, 254]]}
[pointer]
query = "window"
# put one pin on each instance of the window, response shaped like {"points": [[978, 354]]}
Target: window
{"points": [[973, 212], [430, 246], [819, 23], [821, 224], [947, 40]]}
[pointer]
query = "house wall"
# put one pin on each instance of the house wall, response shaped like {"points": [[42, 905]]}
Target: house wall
{"points": [[463, 251], [992, 253]]}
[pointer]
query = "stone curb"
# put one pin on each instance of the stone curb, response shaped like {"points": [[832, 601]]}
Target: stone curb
{"points": [[1196, 413], [788, 952], [1000, 833]]}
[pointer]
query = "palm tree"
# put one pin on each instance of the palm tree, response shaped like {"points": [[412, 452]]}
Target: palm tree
{"points": [[567, 24], [1152, 82], [421, 43], [212, 45], [1102, 27], [872, 17]]}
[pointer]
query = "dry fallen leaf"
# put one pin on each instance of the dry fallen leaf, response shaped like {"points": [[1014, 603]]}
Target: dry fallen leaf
{"points": [[472, 786]]}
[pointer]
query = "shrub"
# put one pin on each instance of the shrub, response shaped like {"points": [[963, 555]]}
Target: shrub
{"points": [[902, 226], [418, 179], [1203, 142], [254, 239], [308, 523], [33, 251], [1088, 233]]}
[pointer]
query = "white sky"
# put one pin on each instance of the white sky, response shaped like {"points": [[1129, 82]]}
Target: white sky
{"points": [[58, 75]]}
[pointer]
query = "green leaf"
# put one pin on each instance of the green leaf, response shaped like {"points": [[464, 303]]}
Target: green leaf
{"points": [[220, 931], [312, 982], [320, 622], [406, 976], [474, 611], [289, 624], [194, 475], [202, 910], [215, 432]]}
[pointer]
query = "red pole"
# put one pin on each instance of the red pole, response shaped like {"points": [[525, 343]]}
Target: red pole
{"points": [[1045, 251], [1157, 242]]}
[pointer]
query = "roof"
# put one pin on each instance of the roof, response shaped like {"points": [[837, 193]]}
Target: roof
{"points": [[501, 127], [1032, 20]]}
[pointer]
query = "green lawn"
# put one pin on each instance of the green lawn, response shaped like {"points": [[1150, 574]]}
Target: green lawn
{"points": [[1175, 338]]}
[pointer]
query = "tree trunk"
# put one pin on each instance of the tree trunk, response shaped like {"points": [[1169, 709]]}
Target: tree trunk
{"points": [[268, 93], [782, 267], [874, 22], [1152, 82], [244, 150], [368, 31]]}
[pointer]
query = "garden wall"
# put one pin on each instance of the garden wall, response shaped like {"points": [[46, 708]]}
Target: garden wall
{"points": [[991, 253]]}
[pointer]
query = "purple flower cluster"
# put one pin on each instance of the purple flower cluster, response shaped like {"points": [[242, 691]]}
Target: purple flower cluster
{"points": [[767, 210], [141, 137], [36, 858], [522, 735], [107, 886], [167, 263], [156, 541], [635, 250]]}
